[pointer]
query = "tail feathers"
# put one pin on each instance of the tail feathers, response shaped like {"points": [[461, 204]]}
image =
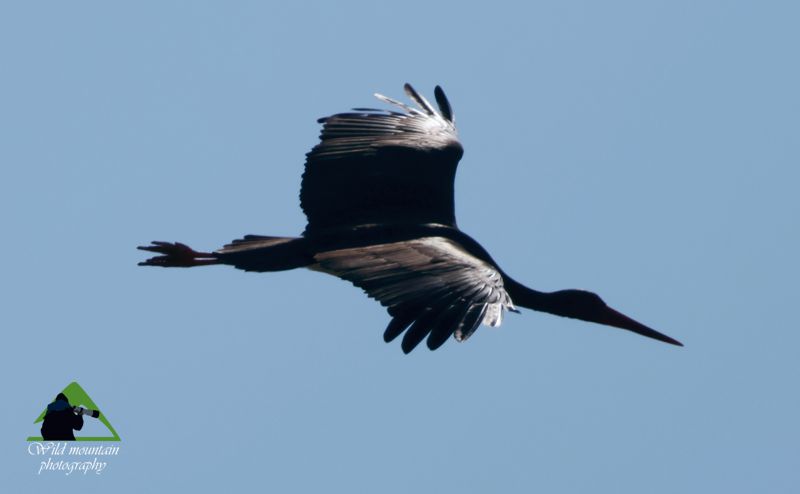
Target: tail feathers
{"points": [[250, 242], [176, 255], [262, 254]]}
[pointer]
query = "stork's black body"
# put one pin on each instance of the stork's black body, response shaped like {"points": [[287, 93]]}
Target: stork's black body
{"points": [[378, 195]]}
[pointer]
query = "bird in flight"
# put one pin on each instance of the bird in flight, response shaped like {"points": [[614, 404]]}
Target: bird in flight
{"points": [[378, 195]]}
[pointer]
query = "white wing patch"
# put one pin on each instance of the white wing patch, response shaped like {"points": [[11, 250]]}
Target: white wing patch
{"points": [[430, 279]]}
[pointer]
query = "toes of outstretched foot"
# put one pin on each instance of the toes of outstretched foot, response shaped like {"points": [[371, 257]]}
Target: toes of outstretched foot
{"points": [[174, 254]]}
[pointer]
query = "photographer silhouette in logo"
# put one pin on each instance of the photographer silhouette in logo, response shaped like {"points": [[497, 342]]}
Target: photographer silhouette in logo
{"points": [[61, 419]]}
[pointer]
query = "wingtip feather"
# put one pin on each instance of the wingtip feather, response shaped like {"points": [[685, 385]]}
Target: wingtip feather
{"points": [[444, 104], [419, 99]]}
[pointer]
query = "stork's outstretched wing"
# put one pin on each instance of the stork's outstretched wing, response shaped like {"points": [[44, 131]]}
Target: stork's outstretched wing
{"points": [[380, 166], [430, 285]]}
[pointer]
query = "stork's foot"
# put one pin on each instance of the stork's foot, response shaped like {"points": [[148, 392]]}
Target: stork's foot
{"points": [[176, 255]]}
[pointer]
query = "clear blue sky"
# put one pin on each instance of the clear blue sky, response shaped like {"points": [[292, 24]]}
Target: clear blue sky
{"points": [[648, 151]]}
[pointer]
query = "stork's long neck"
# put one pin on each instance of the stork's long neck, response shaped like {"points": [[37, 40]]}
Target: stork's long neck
{"points": [[522, 296]]}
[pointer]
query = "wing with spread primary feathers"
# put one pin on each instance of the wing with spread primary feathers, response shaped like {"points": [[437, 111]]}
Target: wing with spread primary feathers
{"points": [[383, 167], [431, 286]]}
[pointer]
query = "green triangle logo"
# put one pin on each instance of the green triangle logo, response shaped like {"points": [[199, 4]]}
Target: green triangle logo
{"points": [[76, 395]]}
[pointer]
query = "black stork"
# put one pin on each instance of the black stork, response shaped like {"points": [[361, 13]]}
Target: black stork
{"points": [[378, 194]]}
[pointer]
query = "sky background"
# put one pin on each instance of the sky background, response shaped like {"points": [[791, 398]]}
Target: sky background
{"points": [[647, 151]]}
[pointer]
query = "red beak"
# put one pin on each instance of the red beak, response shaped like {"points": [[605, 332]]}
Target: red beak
{"points": [[611, 317]]}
